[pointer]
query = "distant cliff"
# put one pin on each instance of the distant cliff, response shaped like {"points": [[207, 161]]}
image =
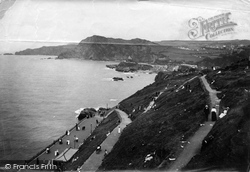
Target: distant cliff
{"points": [[50, 50], [102, 48]]}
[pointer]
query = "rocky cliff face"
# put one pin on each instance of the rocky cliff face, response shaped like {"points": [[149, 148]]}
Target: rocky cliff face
{"points": [[101, 48]]}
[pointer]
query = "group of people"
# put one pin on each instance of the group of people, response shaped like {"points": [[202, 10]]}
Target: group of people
{"points": [[77, 128], [214, 113], [60, 141]]}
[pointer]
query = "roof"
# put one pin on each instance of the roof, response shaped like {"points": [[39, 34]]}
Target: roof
{"points": [[66, 154]]}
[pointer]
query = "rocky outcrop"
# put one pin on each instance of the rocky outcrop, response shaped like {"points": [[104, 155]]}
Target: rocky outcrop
{"points": [[117, 79], [110, 49], [130, 67], [86, 113]]}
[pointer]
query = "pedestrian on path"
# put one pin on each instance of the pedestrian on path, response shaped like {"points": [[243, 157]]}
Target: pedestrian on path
{"points": [[76, 138], [119, 130], [106, 152], [214, 114], [67, 133], [56, 152], [77, 128], [206, 112], [47, 150], [60, 141]]}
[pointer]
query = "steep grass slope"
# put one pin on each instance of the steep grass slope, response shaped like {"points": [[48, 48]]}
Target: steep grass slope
{"points": [[159, 131], [228, 142]]}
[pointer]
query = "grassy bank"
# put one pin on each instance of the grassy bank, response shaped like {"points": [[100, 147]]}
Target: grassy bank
{"points": [[160, 131], [228, 142]]}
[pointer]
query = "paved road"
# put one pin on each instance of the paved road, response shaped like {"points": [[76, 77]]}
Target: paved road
{"points": [[95, 160], [192, 147], [195, 142], [90, 125]]}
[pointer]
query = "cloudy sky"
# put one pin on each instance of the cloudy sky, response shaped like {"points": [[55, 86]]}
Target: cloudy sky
{"points": [[34, 23]]}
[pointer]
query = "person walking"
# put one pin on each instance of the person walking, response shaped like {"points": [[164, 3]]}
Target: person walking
{"points": [[119, 130], [106, 152], [214, 114], [67, 132], [47, 150], [76, 138], [206, 112], [75, 141], [60, 141], [77, 128], [56, 153]]}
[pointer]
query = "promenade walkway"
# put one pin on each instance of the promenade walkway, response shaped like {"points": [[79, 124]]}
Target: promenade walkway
{"points": [[89, 124], [95, 160], [195, 142]]}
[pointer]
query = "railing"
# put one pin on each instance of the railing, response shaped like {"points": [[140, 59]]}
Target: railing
{"points": [[53, 143]]}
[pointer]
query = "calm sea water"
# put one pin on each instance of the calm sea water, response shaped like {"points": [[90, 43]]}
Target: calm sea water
{"points": [[38, 98]]}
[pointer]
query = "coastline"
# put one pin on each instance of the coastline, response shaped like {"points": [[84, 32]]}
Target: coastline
{"points": [[62, 136], [52, 97]]}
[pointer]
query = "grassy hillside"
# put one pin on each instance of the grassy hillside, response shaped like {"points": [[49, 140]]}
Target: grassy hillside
{"points": [[228, 142], [227, 59], [159, 132]]}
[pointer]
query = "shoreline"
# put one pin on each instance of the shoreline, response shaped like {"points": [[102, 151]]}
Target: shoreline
{"points": [[51, 137], [62, 136]]}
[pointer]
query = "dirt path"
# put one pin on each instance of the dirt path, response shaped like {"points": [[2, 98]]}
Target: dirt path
{"points": [[180, 87], [214, 100], [95, 160], [194, 144]]}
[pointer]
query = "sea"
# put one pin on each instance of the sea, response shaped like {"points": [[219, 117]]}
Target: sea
{"points": [[39, 97]]}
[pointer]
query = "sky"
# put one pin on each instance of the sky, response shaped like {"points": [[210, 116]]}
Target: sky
{"points": [[35, 23]]}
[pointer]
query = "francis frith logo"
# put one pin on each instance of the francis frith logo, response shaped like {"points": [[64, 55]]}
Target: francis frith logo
{"points": [[212, 27]]}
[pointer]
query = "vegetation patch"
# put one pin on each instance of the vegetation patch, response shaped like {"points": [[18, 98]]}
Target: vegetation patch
{"points": [[156, 135], [227, 144]]}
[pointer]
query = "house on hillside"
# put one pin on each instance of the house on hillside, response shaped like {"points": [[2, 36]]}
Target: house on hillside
{"points": [[185, 68]]}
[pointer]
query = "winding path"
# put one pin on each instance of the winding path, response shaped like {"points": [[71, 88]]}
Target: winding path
{"points": [[194, 144], [95, 160]]}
